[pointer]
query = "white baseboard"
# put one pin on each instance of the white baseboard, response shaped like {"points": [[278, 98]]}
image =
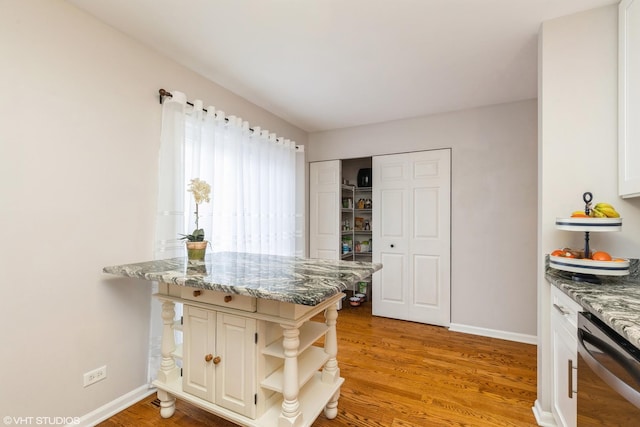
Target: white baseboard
{"points": [[113, 407], [493, 333], [543, 418]]}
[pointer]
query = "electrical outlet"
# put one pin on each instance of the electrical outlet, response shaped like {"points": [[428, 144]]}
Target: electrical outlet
{"points": [[94, 376]]}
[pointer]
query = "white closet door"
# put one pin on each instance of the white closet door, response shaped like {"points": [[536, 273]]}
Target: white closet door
{"points": [[324, 209], [412, 236]]}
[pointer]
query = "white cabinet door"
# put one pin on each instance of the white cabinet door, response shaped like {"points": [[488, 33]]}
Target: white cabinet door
{"points": [[324, 209], [199, 343], [219, 359], [564, 347], [564, 375], [629, 98], [411, 236], [236, 371]]}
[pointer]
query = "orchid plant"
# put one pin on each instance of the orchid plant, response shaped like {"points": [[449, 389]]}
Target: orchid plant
{"points": [[200, 190]]}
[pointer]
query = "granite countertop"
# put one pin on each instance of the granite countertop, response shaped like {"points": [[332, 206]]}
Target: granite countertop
{"points": [[616, 301], [289, 279]]}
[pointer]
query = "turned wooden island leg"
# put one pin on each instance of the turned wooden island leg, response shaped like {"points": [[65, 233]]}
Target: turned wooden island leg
{"points": [[331, 371], [290, 415], [168, 370]]}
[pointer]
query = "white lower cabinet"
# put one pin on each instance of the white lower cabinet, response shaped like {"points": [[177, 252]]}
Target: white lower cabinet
{"points": [[219, 351], [564, 318], [255, 362]]}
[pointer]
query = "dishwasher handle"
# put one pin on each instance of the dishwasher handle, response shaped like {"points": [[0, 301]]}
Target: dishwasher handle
{"points": [[624, 389]]}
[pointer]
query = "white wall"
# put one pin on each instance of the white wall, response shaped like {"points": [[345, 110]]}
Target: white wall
{"points": [[578, 147], [79, 135], [494, 173]]}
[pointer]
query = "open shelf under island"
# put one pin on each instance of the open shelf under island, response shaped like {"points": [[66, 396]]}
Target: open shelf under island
{"points": [[249, 351]]}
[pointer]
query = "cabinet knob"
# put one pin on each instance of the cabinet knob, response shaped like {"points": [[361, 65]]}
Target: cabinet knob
{"points": [[208, 358], [197, 293], [392, 245], [216, 360], [228, 298]]}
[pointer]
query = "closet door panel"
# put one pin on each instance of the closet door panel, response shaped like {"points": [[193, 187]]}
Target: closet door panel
{"points": [[425, 274], [324, 209], [411, 216]]}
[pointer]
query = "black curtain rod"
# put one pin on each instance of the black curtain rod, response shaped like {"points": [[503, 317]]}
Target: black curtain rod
{"points": [[162, 93]]}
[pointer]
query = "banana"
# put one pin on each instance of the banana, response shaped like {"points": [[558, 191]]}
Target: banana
{"points": [[604, 210], [603, 205], [609, 212]]}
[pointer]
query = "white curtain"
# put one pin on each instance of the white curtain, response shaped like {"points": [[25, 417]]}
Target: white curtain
{"points": [[252, 174]]}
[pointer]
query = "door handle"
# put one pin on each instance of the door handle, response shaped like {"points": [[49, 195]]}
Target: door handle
{"points": [[607, 376], [561, 309], [570, 369]]}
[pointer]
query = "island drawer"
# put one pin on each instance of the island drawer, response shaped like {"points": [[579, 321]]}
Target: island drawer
{"points": [[231, 300], [565, 309]]}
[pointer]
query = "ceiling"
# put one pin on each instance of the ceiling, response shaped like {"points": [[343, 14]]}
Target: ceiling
{"points": [[328, 64]]}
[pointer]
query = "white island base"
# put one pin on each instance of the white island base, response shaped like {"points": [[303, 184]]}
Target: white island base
{"points": [[249, 360]]}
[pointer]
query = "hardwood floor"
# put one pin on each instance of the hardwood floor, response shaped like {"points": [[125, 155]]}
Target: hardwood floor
{"points": [[404, 374]]}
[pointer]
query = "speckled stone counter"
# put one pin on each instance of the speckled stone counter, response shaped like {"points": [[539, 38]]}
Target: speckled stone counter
{"points": [[288, 279], [616, 301]]}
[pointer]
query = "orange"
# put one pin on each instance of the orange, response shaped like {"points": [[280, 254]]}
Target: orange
{"points": [[601, 256], [557, 252], [579, 215]]}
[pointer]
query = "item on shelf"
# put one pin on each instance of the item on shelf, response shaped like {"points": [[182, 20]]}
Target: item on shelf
{"points": [[347, 202], [358, 247], [362, 287], [360, 204], [365, 246], [364, 177], [367, 226], [358, 223], [346, 244], [367, 203]]}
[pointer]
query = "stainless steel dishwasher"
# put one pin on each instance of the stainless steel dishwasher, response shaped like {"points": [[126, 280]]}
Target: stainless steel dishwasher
{"points": [[608, 376]]}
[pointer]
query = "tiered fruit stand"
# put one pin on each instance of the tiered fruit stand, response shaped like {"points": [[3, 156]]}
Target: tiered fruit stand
{"points": [[586, 269]]}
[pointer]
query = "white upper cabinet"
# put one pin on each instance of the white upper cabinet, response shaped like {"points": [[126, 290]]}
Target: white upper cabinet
{"points": [[629, 99]]}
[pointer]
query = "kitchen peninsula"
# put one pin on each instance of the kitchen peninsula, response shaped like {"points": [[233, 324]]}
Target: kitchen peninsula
{"points": [[250, 351], [616, 301]]}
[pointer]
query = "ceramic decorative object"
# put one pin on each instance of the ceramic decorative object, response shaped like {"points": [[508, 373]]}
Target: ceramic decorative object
{"points": [[196, 250]]}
